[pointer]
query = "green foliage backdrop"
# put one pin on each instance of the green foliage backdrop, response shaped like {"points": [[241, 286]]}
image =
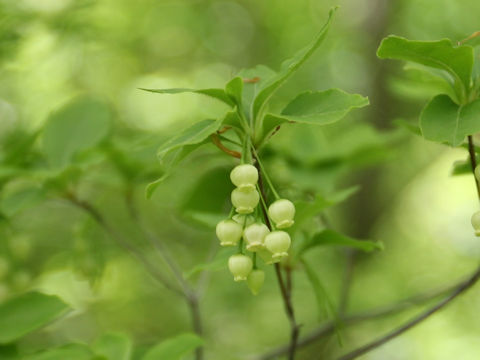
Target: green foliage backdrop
{"points": [[100, 179]]}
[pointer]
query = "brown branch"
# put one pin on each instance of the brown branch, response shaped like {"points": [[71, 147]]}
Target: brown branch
{"points": [[218, 143], [97, 216], [190, 294], [269, 136], [349, 320], [416, 320], [474, 35], [224, 129], [463, 287], [285, 290], [252, 80], [196, 323]]}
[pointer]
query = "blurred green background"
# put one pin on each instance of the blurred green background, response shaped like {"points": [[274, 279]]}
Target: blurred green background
{"points": [[53, 51]]}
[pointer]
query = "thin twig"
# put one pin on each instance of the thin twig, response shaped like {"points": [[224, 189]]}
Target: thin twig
{"points": [[204, 278], [328, 327], [474, 35], [288, 272], [285, 290], [427, 313], [189, 292], [96, 215], [224, 129], [218, 143], [252, 80], [156, 243], [416, 320]]}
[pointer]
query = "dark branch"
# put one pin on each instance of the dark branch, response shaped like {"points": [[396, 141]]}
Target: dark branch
{"points": [[96, 215], [349, 320], [440, 305], [218, 143], [416, 320], [189, 292], [285, 289]]}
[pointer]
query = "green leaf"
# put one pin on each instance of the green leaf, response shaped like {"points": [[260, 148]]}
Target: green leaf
{"points": [[330, 237], [317, 108], [218, 263], [194, 134], [175, 348], [232, 119], [180, 146], [234, 89], [444, 121], [28, 312], [113, 346], [457, 61], [70, 352], [151, 187], [169, 162], [254, 80], [306, 210], [218, 94], [79, 125], [462, 167], [419, 81], [322, 107], [20, 200], [288, 68]]}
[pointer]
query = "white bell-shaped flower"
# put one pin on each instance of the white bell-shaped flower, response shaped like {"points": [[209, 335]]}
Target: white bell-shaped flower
{"points": [[476, 223], [267, 256], [254, 236], [244, 176], [278, 243], [245, 201], [240, 266], [229, 232], [255, 281], [282, 213]]}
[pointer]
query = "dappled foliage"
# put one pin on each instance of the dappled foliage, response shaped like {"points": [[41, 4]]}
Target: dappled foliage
{"points": [[146, 160]]}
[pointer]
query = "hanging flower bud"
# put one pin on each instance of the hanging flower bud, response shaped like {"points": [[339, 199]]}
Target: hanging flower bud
{"points": [[278, 243], [255, 281], [229, 232], [254, 236], [240, 266], [267, 257], [244, 176], [244, 220], [282, 213], [245, 201], [476, 223]]}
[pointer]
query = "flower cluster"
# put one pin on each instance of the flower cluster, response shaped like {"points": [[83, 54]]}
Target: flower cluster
{"points": [[245, 229]]}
